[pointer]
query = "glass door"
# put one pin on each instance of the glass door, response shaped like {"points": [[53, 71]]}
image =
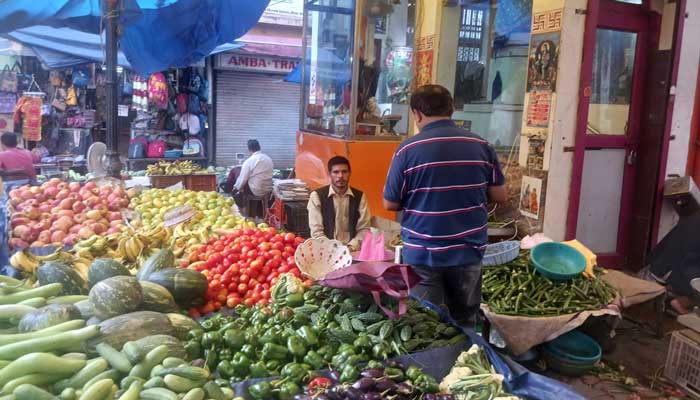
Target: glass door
{"points": [[610, 107]]}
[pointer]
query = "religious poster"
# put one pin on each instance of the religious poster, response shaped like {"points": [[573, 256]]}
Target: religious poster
{"points": [[535, 158], [425, 47], [542, 62], [538, 109], [530, 196]]}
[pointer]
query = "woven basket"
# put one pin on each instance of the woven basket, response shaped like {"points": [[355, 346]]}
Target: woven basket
{"points": [[317, 257], [501, 253]]}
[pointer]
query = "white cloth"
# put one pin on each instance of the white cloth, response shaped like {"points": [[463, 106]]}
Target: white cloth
{"points": [[257, 172]]}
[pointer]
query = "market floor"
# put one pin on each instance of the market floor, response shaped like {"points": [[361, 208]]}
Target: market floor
{"points": [[633, 369]]}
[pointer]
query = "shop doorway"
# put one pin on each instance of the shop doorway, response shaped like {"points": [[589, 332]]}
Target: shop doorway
{"points": [[618, 41]]}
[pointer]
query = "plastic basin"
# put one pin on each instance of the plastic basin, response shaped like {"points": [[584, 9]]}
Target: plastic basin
{"points": [[557, 261], [573, 353]]}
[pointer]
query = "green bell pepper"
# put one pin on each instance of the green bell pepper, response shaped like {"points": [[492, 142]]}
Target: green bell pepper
{"points": [[234, 339], [273, 366], [315, 360], [225, 369], [327, 352], [374, 364], [426, 384], [251, 337], [380, 351], [363, 343], [272, 335], [306, 333], [248, 350], [208, 324], [294, 300], [413, 373], [345, 347], [225, 354], [211, 358], [259, 370], [193, 349], [210, 339], [296, 346], [241, 364], [271, 351], [288, 390], [294, 372], [350, 373], [394, 373], [195, 334], [260, 391]]}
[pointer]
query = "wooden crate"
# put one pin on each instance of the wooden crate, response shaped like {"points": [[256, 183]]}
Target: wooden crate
{"points": [[164, 181], [202, 182]]}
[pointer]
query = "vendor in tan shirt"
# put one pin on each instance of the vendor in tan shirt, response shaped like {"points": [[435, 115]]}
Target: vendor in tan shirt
{"points": [[338, 211]]}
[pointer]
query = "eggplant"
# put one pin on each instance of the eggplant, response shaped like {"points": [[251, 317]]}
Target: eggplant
{"points": [[302, 397], [353, 394], [445, 397], [198, 363], [396, 364], [383, 384], [372, 396], [364, 384], [429, 396], [373, 373], [335, 376], [322, 397], [404, 388]]}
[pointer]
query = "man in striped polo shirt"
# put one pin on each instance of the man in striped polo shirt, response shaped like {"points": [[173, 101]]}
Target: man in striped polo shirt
{"points": [[442, 179]]}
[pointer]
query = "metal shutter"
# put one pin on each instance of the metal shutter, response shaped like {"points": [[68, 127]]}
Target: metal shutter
{"points": [[256, 106]]}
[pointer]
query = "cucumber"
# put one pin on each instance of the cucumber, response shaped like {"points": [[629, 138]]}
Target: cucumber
{"points": [[14, 311], [42, 379], [93, 368], [179, 384], [116, 359], [75, 356], [50, 343], [98, 390], [68, 394], [172, 362], [155, 357], [193, 373], [195, 394], [133, 352], [228, 393], [155, 382], [132, 393], [46, 291], [157, 394], [156, 371], [68, 299], [129, 380], [111, 374], [8, 397], [50, 331], [35, 363], [214, 391], [36, 302], [31, 392], [140, 371]]}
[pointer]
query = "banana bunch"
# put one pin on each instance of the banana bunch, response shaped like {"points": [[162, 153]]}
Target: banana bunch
{"points": [[180, 167], [129, 248], [186, 239], [27, 262], [95, 247], [156, 237]]}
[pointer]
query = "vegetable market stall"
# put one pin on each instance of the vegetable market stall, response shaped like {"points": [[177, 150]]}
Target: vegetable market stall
{"points": [[527, 310]]}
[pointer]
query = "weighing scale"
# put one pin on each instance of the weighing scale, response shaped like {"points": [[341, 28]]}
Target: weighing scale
{"points": [[692, 320]]}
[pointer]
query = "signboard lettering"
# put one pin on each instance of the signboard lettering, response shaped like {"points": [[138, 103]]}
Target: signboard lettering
{"points": [[253, 63]]}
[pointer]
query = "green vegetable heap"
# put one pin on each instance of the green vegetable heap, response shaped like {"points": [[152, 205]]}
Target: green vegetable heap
{"points": [[515, 289], [321, 328]]}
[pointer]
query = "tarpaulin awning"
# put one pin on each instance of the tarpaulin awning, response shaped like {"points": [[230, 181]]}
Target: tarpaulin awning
{"points": [[267, 45], [155, 34], [65, 47]]}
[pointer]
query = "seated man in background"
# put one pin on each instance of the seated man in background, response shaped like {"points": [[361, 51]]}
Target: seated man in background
{"points": [[16, 163], [338, 211], [255, 176]]}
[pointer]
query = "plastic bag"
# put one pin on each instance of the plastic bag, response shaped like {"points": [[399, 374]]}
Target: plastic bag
{"points": [[372, 246]]}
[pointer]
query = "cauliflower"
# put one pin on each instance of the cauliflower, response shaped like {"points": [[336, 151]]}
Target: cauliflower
{"points": [[454, 376]]}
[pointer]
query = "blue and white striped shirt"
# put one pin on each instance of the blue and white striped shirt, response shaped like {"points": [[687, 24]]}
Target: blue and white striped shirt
{"points": [[440, 178]]}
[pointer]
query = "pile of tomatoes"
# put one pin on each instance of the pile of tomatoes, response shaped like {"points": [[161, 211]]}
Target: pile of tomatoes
{"points": [[243, 266]]}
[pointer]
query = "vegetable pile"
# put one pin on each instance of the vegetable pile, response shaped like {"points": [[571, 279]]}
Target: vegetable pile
{"points": [[323, 327], [241, 267], [516, 289], [473, 377]]}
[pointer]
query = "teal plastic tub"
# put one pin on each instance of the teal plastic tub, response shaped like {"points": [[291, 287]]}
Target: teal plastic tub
{"points": [[573, 353], [557, 261]]}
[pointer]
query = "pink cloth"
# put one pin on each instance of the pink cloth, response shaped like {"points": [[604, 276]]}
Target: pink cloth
{"points": [[15, 159]]}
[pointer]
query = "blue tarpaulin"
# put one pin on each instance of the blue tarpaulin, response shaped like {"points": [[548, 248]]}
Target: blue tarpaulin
{"points": [[66, 47], [155, 34]]}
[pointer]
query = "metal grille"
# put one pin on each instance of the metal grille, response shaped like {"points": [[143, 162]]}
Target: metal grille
{"points": [[256, 106], [471, 31]]}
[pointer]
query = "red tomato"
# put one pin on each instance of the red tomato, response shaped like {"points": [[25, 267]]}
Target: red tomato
{"points": [[232, 302], [288, 249], [289, 237], [299, 240], [265, 246], [278, 246], [242, 288], [244, 278], [265, 294], [249, 302], [291, 261], [283, 268]]}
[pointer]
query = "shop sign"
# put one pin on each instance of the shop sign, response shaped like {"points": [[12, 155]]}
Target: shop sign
{"points": [[252, 63], [284, 12]]}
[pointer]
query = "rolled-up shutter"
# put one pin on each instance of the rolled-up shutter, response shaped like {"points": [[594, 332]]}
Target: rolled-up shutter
{"points": [[256, 106]]}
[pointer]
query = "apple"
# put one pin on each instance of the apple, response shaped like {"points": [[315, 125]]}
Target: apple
{"points": [[62, 185], [18, 244], [113, 229], [70, 239], [22, 231], [97, 228], [93, 201], [62, 194], [45, 208], [80, 218], [75, 228], [86, 232], [18, 220], [94, 214], [66, 204], [45, 237], [74, 187], [51, 191], [79, 207], [32, 213], [58, 236]]}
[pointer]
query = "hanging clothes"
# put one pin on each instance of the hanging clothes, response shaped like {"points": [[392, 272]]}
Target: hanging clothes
{"points": [[28, 112]]}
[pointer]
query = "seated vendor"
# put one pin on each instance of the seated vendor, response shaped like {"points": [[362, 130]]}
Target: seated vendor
{"points": [[253, 178], [338, 211], [16, 163]]}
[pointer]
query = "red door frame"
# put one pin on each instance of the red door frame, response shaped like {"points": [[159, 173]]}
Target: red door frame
{"points": [[693, 166], [608, 14]]}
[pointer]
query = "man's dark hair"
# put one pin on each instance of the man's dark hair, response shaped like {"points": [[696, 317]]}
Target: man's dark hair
{"points": [[253, 145], [432, 101], [8, 139], [338, 160]]}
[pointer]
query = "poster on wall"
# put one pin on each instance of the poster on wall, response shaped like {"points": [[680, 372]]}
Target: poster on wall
{"points": [[535, 158], [538, 109], [542, 62], [425, 47], [530, 196]]}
